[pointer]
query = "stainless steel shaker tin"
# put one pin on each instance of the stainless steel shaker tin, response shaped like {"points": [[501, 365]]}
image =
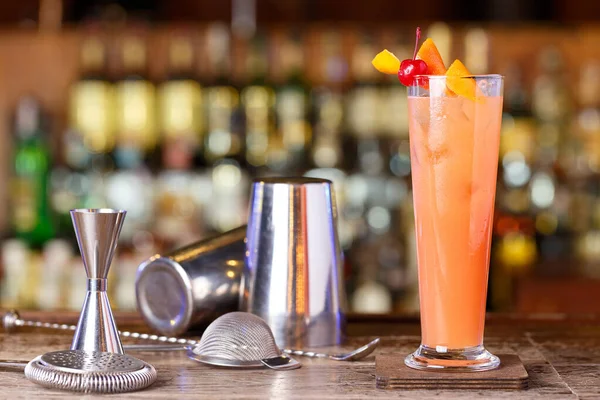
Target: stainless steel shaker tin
{"points": [[294, 262], [189, 288]]}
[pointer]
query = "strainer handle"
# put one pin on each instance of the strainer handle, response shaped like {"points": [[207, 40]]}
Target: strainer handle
{"points": [[12, 320]]}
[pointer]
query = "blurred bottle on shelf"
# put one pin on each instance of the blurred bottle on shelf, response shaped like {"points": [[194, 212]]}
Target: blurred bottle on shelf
{"points": [[292, 105], [369, 294], [477, 50], [328, 105], [549, 193], [363, 148], [124, 281], [263, 145], [15, 258], [225, 148], [363, 110], [328, 110], [517, 147], [181, 122], [515, 251], [377, 140], [77, 291], [395, 145], [518, 128], [91, 108], [364, 162], [28, 288], [587, 120], [54, 273], [130, 186], [137, 133], [228, 204], [585, 201], [409, 301], [89, 139], [32, 218], [326, 117], [371, 297], [395, 253], [178, 212], [587, 244], [551, 105], [441, 34], [223, 128], [181, 108]]}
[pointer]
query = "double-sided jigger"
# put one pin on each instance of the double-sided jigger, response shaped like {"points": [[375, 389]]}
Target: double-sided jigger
{"points": [[95, 362], [97, 234]]}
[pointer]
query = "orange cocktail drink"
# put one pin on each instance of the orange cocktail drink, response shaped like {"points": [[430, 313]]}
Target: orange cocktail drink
{"points": [[454, 129], [454, 142]]}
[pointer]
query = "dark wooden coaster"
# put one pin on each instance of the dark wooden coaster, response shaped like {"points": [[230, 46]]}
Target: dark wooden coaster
{"points": [[392, 373]]}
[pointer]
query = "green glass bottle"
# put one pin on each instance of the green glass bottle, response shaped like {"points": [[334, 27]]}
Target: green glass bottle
{"points": [[31, 215]]}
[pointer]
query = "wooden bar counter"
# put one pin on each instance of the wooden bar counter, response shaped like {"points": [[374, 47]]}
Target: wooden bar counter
{"points": [[560, 353]]}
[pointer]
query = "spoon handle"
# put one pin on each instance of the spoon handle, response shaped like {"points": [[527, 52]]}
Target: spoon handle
{"points": [[12, 320], [156, 347], [311, 354], [12, 364]]}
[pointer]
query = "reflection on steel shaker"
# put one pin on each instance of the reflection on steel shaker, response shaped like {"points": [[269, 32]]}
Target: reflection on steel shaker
{"points": [[294, 263], [189, 288]]}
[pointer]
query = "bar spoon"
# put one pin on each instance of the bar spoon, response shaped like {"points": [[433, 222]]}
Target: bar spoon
{"points": [[12, 320]]}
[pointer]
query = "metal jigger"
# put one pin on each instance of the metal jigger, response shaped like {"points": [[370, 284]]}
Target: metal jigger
{"points": [[97, 232]]}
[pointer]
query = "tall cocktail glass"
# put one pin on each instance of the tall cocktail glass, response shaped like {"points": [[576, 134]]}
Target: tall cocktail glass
{"points": [[454, 144]]}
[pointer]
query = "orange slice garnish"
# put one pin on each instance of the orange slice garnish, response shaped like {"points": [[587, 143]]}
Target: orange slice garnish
{"points": [[456, 81], [386, 62], [430, 54]]}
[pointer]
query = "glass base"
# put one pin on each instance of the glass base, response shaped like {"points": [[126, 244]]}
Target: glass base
{"points": [[469, 359]]}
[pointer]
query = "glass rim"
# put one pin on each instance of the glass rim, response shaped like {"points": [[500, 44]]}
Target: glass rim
{"points": [[475, 76], [97, 211]]}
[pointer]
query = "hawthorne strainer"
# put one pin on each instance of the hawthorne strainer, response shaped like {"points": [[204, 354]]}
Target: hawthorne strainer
{"points": [[243, 340], [88, 372]]}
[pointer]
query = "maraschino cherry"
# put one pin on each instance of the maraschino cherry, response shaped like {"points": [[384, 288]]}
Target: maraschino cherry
{"points": [[412, 67]]}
